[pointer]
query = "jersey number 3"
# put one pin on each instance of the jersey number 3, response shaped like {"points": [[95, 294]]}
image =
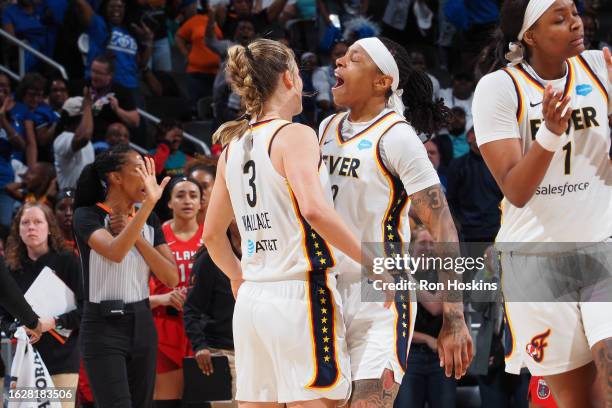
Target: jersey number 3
{"points": [[249, 169]]}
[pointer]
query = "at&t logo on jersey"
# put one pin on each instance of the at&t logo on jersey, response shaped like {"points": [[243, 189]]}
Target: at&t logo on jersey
{"points": [[254, 247], [250, 247]]}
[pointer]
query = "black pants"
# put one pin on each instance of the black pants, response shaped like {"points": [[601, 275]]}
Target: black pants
{"points": [[120, 355]]}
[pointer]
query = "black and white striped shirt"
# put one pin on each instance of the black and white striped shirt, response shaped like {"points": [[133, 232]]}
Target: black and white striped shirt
{"points": [[104, 279]]}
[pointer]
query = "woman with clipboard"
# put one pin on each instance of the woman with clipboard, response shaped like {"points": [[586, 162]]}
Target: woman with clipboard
{"points": [[35, 243]]}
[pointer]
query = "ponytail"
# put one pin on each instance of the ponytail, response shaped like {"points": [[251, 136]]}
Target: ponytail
{"points": [[231, 130], [92, 185], [424, 114], [493, 56], [89, 190], [253, 71]]}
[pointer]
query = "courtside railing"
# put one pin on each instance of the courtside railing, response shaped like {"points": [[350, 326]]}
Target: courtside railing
{"points": [[23, 47]]}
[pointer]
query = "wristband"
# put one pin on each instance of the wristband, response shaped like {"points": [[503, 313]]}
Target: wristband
{"points": [[548, 140]]}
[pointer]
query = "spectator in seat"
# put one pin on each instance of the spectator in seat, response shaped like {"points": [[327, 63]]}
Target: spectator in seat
{"points": [[227, 16], [31, 21], [169, 159], [418, 60], [323, 80], [433, 153], [111, 101], [308, 63], [57, 93], [10, 140], [116, 133], [476, 19], [202, 62], [226, 102], [203, 170], [473, 195], [63, 214], [453, 141], [19, 123], [592, 37], [108, 34], [73, 148], [460, 94], [37, 185], [31, 92]]}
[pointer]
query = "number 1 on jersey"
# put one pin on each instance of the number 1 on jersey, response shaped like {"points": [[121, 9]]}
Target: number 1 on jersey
{"points": [[249, 168], [568, 158]]}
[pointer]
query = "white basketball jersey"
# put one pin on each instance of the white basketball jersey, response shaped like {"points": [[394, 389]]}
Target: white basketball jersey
{"points": [[277, 242], [371, 200], [574, 201]]}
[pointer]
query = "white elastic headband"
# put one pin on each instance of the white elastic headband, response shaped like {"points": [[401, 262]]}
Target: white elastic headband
{"points": [[386, 63], [534, 11]]}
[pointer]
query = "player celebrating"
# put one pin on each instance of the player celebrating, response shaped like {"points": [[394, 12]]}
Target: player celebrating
{"points": [[541, 121], [288, 329], [378, 165], [184, 237]]}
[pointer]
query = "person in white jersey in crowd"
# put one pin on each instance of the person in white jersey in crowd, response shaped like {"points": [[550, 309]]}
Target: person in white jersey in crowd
{"points": [[541, 122]]}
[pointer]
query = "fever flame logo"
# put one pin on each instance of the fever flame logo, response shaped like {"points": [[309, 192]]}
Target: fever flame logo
{"points": [[536, 347]]}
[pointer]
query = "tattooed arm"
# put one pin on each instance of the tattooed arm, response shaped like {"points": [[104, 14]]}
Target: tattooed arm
{"points": [[454, 341]]}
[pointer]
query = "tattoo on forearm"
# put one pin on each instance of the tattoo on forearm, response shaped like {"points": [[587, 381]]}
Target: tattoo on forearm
{"points": [[603, 361], [431, 207]]}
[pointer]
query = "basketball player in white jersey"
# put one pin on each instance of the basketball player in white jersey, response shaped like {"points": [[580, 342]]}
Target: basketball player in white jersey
{"points": [[541, 121], [378, 165], [288, 328]]}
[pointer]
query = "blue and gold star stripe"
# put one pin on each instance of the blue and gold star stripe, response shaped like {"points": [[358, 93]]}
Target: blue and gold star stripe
{"points": [[316, 249], [393, 245], [403, 316], [322, 319]]}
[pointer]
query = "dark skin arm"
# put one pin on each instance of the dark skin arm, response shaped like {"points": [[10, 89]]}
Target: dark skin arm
{"points": [[274, 10], [519, 175], [454, 342], [84, 12], [84, 131]]}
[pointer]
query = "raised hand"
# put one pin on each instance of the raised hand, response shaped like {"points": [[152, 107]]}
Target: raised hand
{"points": [[556, 116], [87, 97], [4, 108], [153, 190], [143, 32]]}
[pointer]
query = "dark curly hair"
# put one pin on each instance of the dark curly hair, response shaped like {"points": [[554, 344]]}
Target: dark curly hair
{"points": [[424, 114], [15, 249]]}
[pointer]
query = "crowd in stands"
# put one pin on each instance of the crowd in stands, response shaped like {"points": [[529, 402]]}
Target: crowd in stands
{"points": [[167, 57]]}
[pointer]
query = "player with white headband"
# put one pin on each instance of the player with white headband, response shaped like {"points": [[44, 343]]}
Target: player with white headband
{"points": [[541, 121], [378, 165]]}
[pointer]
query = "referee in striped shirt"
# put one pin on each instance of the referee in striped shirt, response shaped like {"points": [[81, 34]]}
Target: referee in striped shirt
{"points": [[119, 248]]}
